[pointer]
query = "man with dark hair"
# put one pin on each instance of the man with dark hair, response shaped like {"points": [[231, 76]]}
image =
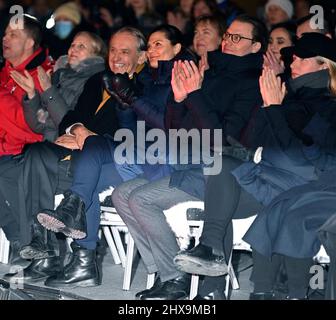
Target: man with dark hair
{"points": [[22, 53], [33, 29], [258, 29]]}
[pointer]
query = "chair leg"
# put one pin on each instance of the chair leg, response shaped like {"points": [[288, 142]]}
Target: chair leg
{"points": [[233, 279], [4, 248], [119, 244], [193, 286], [196, 232], [230, 278], [111, 244], [150, 280], [129, 262]]}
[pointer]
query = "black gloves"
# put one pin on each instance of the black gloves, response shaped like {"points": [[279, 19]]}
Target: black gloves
{"points": [[237, 150], [121, 87]]}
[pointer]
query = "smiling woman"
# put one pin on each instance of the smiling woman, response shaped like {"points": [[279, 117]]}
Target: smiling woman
{"points": [[84, 46], [164, 43]]}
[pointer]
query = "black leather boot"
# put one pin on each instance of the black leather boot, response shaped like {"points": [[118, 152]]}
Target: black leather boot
{"points": [[14, 254], [201, 260], [42, 245], [81, 271], [174, 289], [37, 270], [214, 295], [69, 217], [157, 285]]}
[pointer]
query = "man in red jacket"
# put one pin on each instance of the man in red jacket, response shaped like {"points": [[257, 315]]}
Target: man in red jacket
{"points": [[22, 52]]}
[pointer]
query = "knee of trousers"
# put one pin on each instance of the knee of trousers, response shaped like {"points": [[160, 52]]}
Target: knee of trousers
{"points": [[137, 201], [119, 197]]}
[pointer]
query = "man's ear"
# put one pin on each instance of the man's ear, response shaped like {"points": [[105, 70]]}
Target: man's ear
{"points": [[256, 46], [29, 45], [142, 57]]}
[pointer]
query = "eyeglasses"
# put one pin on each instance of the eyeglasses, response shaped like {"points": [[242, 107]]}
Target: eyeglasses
{"points": [[235, 38]]}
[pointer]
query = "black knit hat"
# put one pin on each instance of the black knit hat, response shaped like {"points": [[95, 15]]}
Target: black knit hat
{"points": [[312, 45]]}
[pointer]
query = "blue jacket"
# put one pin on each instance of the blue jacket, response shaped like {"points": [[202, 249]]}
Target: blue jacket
{"points": [[294, 135], [151, 107]]}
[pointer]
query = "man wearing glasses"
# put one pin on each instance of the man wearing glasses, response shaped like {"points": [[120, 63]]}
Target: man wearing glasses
{"points": [[239, 40]]}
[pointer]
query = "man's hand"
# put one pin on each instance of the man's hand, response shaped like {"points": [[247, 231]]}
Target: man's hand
{"points": [[121, 87], [81, 133], [67, 141]]}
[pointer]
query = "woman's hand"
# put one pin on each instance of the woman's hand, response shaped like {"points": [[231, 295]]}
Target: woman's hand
{"points": [[271, 89], [203, 63], [44, 78], [67, 141], [272, 62], [26, 82], [177, 86], [192, 76]]}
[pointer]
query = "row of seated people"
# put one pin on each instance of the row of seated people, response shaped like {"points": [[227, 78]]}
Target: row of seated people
{"points": [[173, 91]]}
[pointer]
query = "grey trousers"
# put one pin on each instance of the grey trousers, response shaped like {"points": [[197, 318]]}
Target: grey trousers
{"points": [[140, 204]]}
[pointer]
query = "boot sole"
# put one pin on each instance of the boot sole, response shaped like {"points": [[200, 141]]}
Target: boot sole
{"points": [[195, 266], [15, 279], [84, 283], [56, 225], [50, 222]]}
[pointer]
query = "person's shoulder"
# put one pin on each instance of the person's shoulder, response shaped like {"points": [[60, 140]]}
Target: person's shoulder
{"points": [[96, 78]]}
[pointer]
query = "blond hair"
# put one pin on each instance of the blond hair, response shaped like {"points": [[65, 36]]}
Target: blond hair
{"points": [[332, 72]]}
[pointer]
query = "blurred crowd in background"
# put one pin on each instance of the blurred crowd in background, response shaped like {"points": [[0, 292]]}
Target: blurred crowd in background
{"points": [[63, 19]]}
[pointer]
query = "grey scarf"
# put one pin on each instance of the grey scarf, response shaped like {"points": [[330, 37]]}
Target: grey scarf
{"points": [[314, 80], [70, 81]]}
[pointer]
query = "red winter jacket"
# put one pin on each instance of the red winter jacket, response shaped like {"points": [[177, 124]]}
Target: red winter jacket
{"points": [[14, 131]]}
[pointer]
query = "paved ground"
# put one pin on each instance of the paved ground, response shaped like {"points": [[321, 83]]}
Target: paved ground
{"points": [[111, 288]]}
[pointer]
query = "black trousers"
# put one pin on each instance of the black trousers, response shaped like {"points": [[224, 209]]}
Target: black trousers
{"points": [[44, 174], [10, 168], [224, 200], [30, 183]]}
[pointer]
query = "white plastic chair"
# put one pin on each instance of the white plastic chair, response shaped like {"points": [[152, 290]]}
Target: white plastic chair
{"points": [[4, 248]]}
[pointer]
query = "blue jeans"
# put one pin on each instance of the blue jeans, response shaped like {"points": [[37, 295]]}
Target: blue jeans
{"points": [[94, 171]]}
